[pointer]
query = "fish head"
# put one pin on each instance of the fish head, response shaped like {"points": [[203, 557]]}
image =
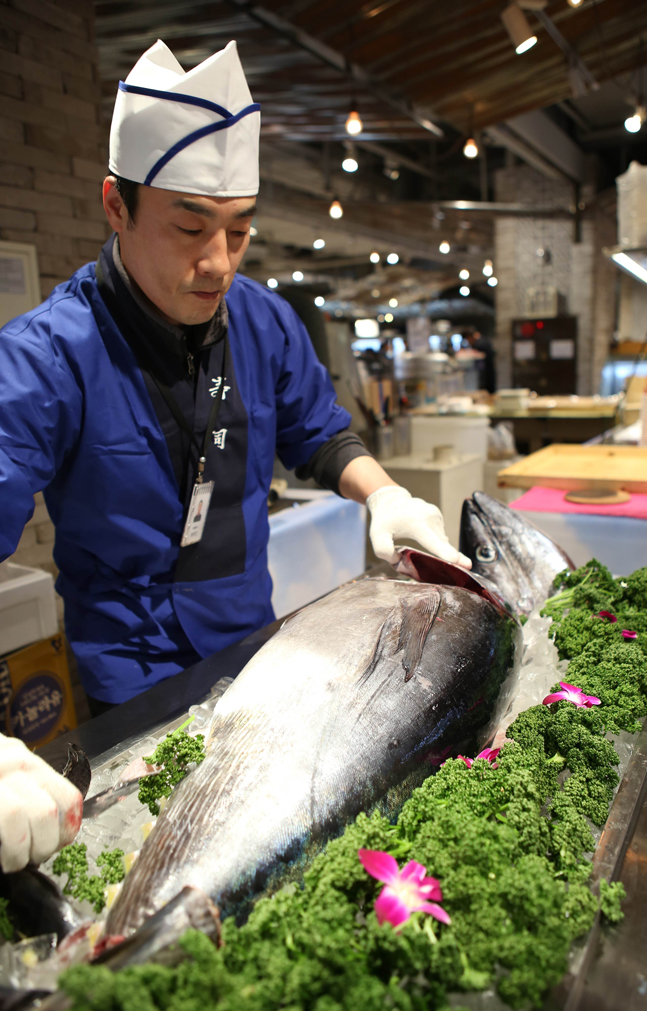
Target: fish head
{"points": [[510, 552]]}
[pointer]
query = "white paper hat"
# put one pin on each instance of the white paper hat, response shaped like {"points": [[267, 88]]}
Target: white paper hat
{"points": [[195, 132]]}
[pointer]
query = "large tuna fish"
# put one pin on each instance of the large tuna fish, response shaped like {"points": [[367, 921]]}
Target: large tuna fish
{"points": [[346, 708], [352, 703]]}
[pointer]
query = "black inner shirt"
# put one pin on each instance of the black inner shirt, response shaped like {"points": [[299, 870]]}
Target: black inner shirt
{"points": [[188, 361]]}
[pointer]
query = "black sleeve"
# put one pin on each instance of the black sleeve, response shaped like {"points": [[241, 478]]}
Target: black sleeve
{"points": [[327, 464]]}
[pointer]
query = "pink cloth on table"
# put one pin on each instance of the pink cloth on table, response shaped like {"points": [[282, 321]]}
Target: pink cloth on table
{"points": [[551, 500]]}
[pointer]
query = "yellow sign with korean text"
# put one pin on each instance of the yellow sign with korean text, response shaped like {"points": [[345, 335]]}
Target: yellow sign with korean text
{"points": [[36, 701]]}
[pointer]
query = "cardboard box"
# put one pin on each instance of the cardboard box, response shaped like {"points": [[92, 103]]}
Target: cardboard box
{"points": [[36, 701]]}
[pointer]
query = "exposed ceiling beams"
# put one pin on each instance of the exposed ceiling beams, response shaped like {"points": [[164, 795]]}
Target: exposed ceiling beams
{"points": [[407, 61]]}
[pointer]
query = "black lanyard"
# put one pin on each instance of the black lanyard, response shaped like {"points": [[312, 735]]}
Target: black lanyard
{"points": [[139, 347], [181, 420]]}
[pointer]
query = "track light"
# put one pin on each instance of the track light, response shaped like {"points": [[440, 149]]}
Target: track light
{"points": [[492, 281], [388, 318], [297, 275], [374, 257], [464, 290], [319, 244], [464, 274], [392, 258], [335, 210], [633, 124], [444, 247], [354, 124], [471, 148], [488, 268], [520, 32], [574, 3], [393, 302], [319, 301], [272, 282]]}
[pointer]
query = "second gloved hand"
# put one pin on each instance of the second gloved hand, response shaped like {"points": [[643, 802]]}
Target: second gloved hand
{"points": [[396, 515], [40, 811]]}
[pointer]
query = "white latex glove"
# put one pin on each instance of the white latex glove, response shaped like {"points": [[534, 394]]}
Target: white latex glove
{"points": [[395, 514], [40, 811]]}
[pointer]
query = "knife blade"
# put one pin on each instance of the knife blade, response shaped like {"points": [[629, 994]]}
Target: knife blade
{"points": [[104, 800]]}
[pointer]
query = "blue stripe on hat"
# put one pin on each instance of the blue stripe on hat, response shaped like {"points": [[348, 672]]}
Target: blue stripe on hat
{"points": [[191, 138], [172, 96]]}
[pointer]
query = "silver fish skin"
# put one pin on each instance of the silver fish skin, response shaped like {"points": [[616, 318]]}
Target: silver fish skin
{"points": [[510, 552], [344, 709]]}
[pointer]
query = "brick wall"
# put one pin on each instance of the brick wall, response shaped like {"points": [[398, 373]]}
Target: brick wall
{"points": [[52, 160], [583, 277], [52, 141]]}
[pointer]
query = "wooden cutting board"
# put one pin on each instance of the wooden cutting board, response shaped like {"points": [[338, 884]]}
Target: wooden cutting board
{"points": [[574, 467]]}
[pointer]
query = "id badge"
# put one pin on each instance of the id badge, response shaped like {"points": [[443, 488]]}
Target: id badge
{"points": [[198, 509]]}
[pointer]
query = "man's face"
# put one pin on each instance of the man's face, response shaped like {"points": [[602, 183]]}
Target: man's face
{"points": [[182, 250]]}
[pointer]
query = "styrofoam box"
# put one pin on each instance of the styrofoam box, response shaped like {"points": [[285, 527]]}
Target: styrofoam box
{"points": [[467, 434], [27, 606], [314, 548]]}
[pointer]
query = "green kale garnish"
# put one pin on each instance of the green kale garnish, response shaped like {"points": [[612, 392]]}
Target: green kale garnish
{"points": [[6, 926], [174, 754], [73, 861], [610, 898], [510, 846]]}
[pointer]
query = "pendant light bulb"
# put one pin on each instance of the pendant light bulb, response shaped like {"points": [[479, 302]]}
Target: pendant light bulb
{"points": [[574, 3], [335, 210], [471, 148], [633, 124], [354, 124], [518, 28], [488, 268]]}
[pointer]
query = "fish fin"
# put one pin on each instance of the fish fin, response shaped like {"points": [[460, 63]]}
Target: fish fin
{"points": [[384, 645], [405, 631], [417, 619]]}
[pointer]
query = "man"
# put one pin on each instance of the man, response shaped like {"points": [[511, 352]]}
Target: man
{"points": [[487, 367], [149, 409]]}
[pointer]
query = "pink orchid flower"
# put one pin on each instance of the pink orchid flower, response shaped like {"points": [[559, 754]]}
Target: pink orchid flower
{"points": [[407, 891], [571, 693], [607, 614], [489, 754], [627, 634]]}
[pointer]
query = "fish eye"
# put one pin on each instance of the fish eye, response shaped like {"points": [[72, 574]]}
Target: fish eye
{"points": [[485, 553]]}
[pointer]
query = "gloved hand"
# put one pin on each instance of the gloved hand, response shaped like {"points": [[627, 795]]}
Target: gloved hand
{"points": [[40, 811], [395, 514]]}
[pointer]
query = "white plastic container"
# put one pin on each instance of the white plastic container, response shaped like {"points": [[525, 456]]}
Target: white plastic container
{"points": [[314, 548], [27, 606], [467, 434], [619, 542]]}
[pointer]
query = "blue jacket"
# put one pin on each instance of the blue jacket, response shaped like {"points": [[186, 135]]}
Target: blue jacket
{"points": [[77, 421]]}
